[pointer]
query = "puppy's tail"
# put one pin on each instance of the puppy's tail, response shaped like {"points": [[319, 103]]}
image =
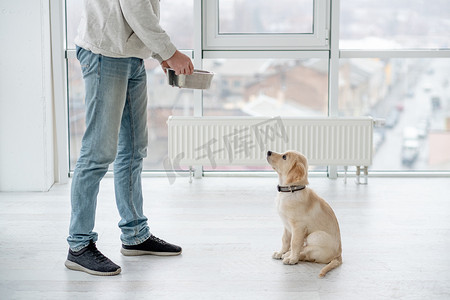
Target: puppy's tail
{"points": [[336, 262]]}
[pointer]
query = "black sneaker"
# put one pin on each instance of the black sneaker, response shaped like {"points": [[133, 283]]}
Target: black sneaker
{"points": [[91, 261], [151, 246]]}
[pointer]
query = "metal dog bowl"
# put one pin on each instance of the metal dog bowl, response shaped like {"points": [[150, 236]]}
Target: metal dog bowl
{"points": [[198, 80]]}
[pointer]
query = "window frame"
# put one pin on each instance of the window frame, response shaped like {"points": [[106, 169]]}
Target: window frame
{"points": [[204, 49], [213, 40]]}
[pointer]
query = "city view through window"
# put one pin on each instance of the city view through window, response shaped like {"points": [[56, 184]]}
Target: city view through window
{"points": [[412, 95]]}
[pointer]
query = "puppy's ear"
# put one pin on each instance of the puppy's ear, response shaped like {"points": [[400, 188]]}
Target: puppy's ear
{"points": [[296, 174]]}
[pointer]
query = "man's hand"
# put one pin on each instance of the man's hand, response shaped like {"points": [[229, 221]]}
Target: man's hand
{"points": [[164, 66], [180, 63]]}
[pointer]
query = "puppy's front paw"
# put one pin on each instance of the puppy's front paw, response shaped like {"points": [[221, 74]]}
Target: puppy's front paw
{"points": [[287, 254], [290, 260], [277, 255]]}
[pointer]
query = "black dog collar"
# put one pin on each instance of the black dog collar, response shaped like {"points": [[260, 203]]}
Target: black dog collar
{"points": [[290, 188]]}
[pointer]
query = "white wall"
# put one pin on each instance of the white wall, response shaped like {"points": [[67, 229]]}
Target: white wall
{"points": [[26, 105]]}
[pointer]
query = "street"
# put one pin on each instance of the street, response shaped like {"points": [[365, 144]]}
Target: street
{"points": [[415, 112]]}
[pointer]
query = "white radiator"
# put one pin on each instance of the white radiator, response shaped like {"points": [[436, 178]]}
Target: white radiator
{"points": [[225, 141]]}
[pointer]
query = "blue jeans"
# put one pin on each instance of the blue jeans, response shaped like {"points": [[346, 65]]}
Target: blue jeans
{"points": [[116, 131]]}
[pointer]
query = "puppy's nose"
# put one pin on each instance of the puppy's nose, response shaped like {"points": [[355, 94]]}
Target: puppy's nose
{"points": [[269, 153]]}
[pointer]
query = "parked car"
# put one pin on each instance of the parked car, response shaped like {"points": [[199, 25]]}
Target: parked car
{"points": [[422, 128], [410, 146], [410, 152], [392, 118]]}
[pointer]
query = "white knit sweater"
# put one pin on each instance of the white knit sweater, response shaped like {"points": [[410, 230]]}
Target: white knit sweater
{"points": [[124, 28]]}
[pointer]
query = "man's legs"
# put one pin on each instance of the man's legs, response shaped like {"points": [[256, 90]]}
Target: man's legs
{"points": [[116, 124], [133, 140], [106, 82]]}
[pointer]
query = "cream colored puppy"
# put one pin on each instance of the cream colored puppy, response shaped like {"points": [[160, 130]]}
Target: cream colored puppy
{"points": [[311, 230]]}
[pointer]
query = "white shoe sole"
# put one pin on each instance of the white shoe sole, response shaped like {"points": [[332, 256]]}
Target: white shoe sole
{"points": [[76, 267], [130, 252]]}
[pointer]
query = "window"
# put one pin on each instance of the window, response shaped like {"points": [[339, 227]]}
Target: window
{"points": [[275, 58], [267, 87], [266, 17], [163, 100], [390, 69], [284, 24], [177, 19], [73, 15], [400, 24], [411, 95]]}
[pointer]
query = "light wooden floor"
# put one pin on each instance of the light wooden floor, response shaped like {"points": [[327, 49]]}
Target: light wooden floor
{"points": [[395, 233]]}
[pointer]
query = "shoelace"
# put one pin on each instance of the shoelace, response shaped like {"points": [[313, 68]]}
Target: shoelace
{"points": [[154, 238]]}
